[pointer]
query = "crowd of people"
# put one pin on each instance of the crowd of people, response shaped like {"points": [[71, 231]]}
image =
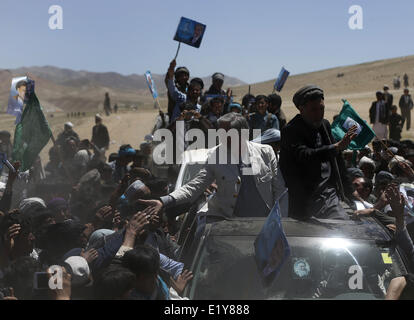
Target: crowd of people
{"points": [[111, 225], [383, 114]]}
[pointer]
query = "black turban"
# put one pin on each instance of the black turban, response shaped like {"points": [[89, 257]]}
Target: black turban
{"points": [[301, 96]]}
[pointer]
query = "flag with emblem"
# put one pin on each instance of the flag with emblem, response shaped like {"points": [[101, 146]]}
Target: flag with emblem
{"points": [[347, 119], [32, 133], [271, 247]]}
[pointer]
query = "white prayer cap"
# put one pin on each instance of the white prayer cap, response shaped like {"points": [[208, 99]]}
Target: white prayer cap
{"points": [[394, 161], [366, 160], [69, 124], [79, 270]]}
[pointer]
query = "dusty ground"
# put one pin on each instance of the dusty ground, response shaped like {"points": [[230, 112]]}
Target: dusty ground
{"points": [[127, 127]]}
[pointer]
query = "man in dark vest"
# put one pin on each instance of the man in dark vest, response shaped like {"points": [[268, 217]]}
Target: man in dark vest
{"points": [[311, 160]]}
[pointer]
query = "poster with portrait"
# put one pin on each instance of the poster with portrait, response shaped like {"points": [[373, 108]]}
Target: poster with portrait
{"points": [[17, 96], [190, 32], [271, 247], [151, 84], [20, 90]]}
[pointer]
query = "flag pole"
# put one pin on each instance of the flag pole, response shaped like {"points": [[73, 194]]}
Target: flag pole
{"points": [[158, 103], [178, 50]]}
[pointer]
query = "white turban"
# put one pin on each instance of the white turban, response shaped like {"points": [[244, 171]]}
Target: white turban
{"points": [[366, 160], [28, 205]]}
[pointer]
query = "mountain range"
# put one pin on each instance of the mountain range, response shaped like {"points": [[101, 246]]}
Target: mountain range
{"points": [[67, 90]]}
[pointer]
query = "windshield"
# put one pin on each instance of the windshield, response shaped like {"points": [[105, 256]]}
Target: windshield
{"points": [[318, 268]]}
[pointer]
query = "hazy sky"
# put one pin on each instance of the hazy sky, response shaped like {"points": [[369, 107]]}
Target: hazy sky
{"points": [[250, 40]]}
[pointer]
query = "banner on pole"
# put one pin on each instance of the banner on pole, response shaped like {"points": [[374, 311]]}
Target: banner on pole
{"points": [[151, 84], [190, 32], [281, 79]]}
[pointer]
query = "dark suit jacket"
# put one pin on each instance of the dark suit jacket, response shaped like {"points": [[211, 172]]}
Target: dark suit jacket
{"points": [[389, 99], [403, 105], [100, 136], [300, 163], [384, 116]]}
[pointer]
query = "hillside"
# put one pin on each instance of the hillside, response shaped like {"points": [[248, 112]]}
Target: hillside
{"points": [[358, 85], [68, 90]]}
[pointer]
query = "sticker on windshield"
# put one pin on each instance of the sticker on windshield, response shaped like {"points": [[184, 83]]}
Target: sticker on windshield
{"points": [[386, 258], [301, 268]]}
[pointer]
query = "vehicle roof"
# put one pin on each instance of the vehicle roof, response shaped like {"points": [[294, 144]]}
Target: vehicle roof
{"points": [[368, 229]]}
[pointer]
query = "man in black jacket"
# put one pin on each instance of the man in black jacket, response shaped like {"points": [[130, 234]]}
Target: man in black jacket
{"points": [[406, 105], [311, 161], [100, 135]]}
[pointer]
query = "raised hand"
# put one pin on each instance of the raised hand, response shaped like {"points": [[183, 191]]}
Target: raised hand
{"points": [[406, 168], [136, 225], [103, 216], [346, 140], [171, 69], [11, 295], [89, 255], [12, 232], [182, 281], [396, 200]]}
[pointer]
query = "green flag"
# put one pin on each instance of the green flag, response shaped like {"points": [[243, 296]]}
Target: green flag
{"points": [[32, 133], [348, 118]]}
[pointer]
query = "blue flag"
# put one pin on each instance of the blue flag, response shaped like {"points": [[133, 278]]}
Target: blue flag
{"points": [[348, 118], [281, 79], [190, 32], [271, 247], [151, 84]]}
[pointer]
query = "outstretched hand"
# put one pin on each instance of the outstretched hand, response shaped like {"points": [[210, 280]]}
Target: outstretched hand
{"points": [[153, 206], [347, 139]]}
